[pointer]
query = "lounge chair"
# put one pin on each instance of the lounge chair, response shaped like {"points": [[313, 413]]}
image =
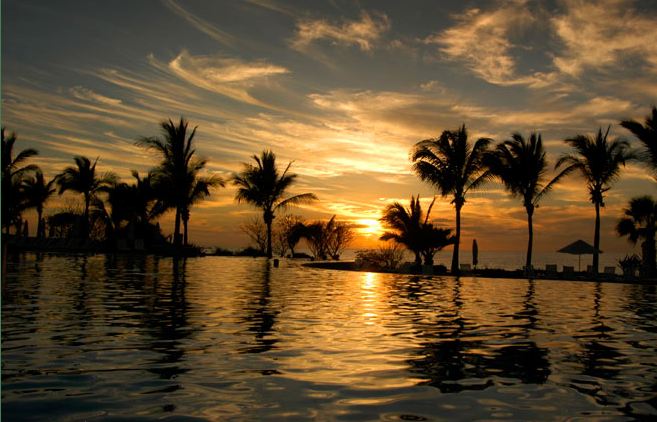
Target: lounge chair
{"points": [[568, 270], [551, 268], [610, 270], [465, 267]]}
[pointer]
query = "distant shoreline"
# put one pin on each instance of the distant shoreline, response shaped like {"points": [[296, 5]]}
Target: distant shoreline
{"points": [[489, 273]]}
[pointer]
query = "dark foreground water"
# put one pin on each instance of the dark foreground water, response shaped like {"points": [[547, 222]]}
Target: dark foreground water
{"points": [[103, 338]]}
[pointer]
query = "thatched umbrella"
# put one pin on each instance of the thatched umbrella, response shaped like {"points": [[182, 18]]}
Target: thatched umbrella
{"points": [[579, 248]]}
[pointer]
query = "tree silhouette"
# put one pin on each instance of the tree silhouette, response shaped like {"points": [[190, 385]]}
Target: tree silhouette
{"points": [[647, 134], [640, 222], [199, 189], [454, 167], [262, 186], [83, 179], [14, 171], [599, 162], [522, 167], [37, 192], [411, 228]]}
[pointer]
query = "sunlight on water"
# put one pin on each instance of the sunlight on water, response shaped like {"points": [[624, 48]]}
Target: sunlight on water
{"points": [[216, 338]]}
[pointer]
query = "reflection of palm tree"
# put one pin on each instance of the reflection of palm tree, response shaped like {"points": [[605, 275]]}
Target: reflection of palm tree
{"points": [[454, 167], [647, 134], [640, 222], [178, 171], [13, 172], [599, 162], [37, 192], [521, 166], [261, 185], [83, 179], [262, 319]]}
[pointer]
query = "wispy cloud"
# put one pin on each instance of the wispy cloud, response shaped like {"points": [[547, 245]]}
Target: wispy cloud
{"points": [[201, 24], [363, 33]]}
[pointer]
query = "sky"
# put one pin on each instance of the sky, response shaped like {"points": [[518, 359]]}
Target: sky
{"points": [[344, 89]]}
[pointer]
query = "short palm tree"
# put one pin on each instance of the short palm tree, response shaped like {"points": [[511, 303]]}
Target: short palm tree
{"points": [[454, 167], [522, 168], [263, 186], [37, 192], [178, 169], [599, 162], [640, 222], [647, 134], [84, 179], [411, 228], [14, 171]]}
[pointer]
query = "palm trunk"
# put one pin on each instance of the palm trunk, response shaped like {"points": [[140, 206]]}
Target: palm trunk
{"points": [[596, 239], [457, 239], [268, 221], [185, 219], [530, 241], [176, 231], [41, 230], [87, 203]]}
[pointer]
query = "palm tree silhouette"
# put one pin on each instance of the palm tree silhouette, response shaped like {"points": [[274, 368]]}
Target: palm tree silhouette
{"points": [[37, 192], [262, 186], [13, 173], [454, 167], [522, 167], [411, 228], [647, 134], [199, 189], [83, 179], [640, 222], [599, 162], [177, 172]]}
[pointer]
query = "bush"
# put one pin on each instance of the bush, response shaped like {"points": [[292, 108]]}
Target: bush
{"points": [[386, 258]]}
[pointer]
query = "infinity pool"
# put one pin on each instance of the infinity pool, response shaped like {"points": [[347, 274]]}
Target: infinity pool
{"points": [[134, 338]]}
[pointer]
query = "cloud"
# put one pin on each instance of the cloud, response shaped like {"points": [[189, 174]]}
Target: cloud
{"points": [[603, 34], [82, 93], [226, 76], [481, 39], [201, 24], [363, 33]]}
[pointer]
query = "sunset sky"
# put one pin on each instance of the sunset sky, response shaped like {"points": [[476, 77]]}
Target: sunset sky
{"points": [[342, 88]]}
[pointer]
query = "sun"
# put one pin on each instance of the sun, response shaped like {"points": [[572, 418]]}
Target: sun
{"points": [[369, 227]]}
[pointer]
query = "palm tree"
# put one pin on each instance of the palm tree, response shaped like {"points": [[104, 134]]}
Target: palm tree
{"points": [[83, 179], [37, 192], [522, 167], [640, 222], [647, 134], [176, 174], [13, 173], [198, 190], [261, 185], [411, 228], [454, 167], [599, 162]]}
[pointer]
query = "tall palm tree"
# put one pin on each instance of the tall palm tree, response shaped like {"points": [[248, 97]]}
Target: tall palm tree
{"points": [[522, 167], [647, 134], [37, 192], [640, 222], [13, 173], [263, 186], [84, 179], [454, 167], [176, 173], [198, 190], [599, 162]]}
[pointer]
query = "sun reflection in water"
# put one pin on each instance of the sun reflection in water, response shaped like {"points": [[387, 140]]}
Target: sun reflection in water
{"points": [[370, 296]]}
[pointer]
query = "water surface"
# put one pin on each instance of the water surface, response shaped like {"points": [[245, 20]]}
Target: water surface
{"points": [[139, 338]]}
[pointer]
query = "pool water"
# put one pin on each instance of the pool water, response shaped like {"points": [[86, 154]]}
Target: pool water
{"points": [[222, 338]]}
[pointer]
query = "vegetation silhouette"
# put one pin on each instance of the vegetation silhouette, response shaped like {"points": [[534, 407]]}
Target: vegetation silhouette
{"points": [[14, 169], [83, 179], [522, 168], [640, 222], [177, 175], [37, 192], [411, 228], [262, 186], [647, 134], [599, 162], [454, 167]]}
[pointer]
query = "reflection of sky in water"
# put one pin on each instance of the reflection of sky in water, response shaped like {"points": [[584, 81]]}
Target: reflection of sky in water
{"points": [[220, 338]]}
